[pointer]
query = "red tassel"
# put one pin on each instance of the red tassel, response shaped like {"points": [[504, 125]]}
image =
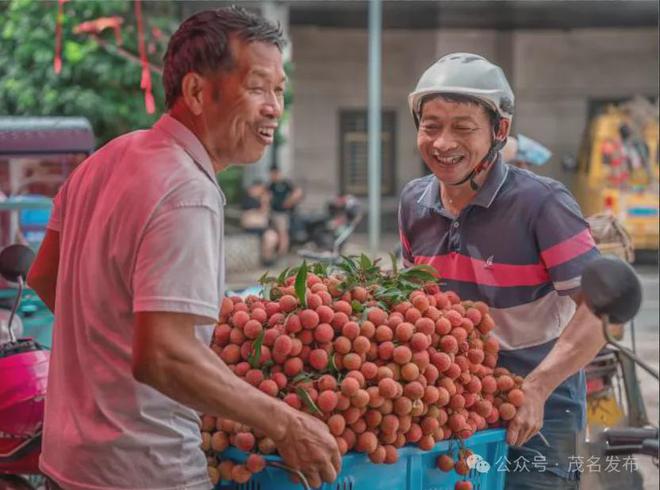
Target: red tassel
{"points": [[149, 102], [145, 82], [57, 60]]}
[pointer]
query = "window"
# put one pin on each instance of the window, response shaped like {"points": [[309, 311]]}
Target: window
{"points": [[354, 152]]}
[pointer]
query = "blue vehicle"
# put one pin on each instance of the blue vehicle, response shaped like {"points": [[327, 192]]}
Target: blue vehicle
{"points": [[37, 154]]}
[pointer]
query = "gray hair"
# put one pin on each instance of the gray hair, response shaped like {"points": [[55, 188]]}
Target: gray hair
{"points": [[201, 44]]}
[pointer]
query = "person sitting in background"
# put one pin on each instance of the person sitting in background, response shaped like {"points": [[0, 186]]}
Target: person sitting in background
{"points": [[285, 197], [255, 218]]}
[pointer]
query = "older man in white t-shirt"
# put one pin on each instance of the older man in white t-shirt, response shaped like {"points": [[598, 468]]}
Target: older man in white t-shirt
{"points": [[132, 265]]}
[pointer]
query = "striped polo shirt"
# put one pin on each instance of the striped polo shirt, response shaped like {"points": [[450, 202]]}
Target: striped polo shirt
{"points": [[520, 246]]}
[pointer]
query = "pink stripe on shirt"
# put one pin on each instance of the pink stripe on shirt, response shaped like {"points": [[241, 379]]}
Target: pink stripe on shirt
{"points": [[404, 241], [568, 249], [458, 267]]}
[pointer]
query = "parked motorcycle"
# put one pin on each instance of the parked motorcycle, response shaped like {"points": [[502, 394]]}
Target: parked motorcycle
{"points": [[23, 382], [322, 237], [614, 293]]}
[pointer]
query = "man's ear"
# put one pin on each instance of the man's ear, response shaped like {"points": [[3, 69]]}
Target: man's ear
{"points": [[192, 91], [504, 129]]}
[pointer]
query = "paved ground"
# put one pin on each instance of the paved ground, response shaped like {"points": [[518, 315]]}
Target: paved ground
{"points": [[358, 243]]}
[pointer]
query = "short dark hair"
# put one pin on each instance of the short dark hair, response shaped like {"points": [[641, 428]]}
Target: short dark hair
{"points": [[201, 44], [463, 99]]}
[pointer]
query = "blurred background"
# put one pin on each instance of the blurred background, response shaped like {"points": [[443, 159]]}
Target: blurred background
{"points": [[581, 71], [566, 61]]}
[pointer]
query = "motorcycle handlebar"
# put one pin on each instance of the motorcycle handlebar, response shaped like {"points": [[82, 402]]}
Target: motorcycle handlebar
{"points": [[649, 447], [631, 440], [630, 435]]}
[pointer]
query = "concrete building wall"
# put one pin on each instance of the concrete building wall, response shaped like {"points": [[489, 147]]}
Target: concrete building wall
{"points": [[331, 74], [554, 74]]}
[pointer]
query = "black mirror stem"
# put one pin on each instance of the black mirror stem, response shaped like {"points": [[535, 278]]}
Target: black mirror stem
{"points": [[17, 302], [624, 350]]}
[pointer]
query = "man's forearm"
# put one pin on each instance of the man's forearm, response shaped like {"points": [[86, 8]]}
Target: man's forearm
{"points": [[578, 344], [196, 377]]}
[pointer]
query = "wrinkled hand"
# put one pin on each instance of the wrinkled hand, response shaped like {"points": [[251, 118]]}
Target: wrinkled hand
{"points": [[529, 417], [308, 446]]}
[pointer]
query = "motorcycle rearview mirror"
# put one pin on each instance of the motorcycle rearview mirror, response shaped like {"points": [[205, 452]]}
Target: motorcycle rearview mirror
{"points": [[15, 261], [613, 292], [611, 287]]}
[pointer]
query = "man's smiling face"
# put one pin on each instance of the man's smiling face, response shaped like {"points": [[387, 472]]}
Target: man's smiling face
{"points": [[453, 137], [246, 102]]}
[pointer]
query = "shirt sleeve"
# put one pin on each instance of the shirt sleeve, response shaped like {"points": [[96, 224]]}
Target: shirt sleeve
{"points": [[178, 262], [56, 212], [565, 242]]}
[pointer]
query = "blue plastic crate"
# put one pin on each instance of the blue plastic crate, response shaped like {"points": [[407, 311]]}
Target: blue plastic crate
{"points": [[415, 469]]}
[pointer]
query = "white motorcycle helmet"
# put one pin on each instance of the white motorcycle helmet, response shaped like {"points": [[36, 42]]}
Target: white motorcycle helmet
{"points": [[473, 76], [465, 74]]}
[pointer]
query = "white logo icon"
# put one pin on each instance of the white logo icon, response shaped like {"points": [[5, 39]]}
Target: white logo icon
{"points": [[489, 262], [474, 461]]}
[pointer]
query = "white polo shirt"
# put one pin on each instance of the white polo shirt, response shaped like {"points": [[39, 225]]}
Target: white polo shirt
{"points": [[140, 226]]}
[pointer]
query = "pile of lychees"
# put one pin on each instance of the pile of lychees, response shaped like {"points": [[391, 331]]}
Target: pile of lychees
{"points": [[384, 358]]}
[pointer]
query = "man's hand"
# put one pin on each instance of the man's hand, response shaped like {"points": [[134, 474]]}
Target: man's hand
{"points": [[576, 347], [308, 446], [293, 199], [529, 417]]}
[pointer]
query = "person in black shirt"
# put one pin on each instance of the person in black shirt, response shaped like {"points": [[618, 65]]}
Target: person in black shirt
{"points": [[285, 196], [255, 218]]}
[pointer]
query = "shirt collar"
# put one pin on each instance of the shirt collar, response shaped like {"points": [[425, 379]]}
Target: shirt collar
{"points": [[430, 198], [492, 185], [190, 143]]}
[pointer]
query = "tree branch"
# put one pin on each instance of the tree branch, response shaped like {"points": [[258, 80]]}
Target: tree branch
{"points": [[123, 53]]}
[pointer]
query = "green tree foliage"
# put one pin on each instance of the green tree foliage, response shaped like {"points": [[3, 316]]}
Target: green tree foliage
{"points": [[94, 82]]}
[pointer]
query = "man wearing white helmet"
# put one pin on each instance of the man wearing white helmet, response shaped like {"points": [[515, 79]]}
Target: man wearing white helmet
{"points": [[512, 239]]}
